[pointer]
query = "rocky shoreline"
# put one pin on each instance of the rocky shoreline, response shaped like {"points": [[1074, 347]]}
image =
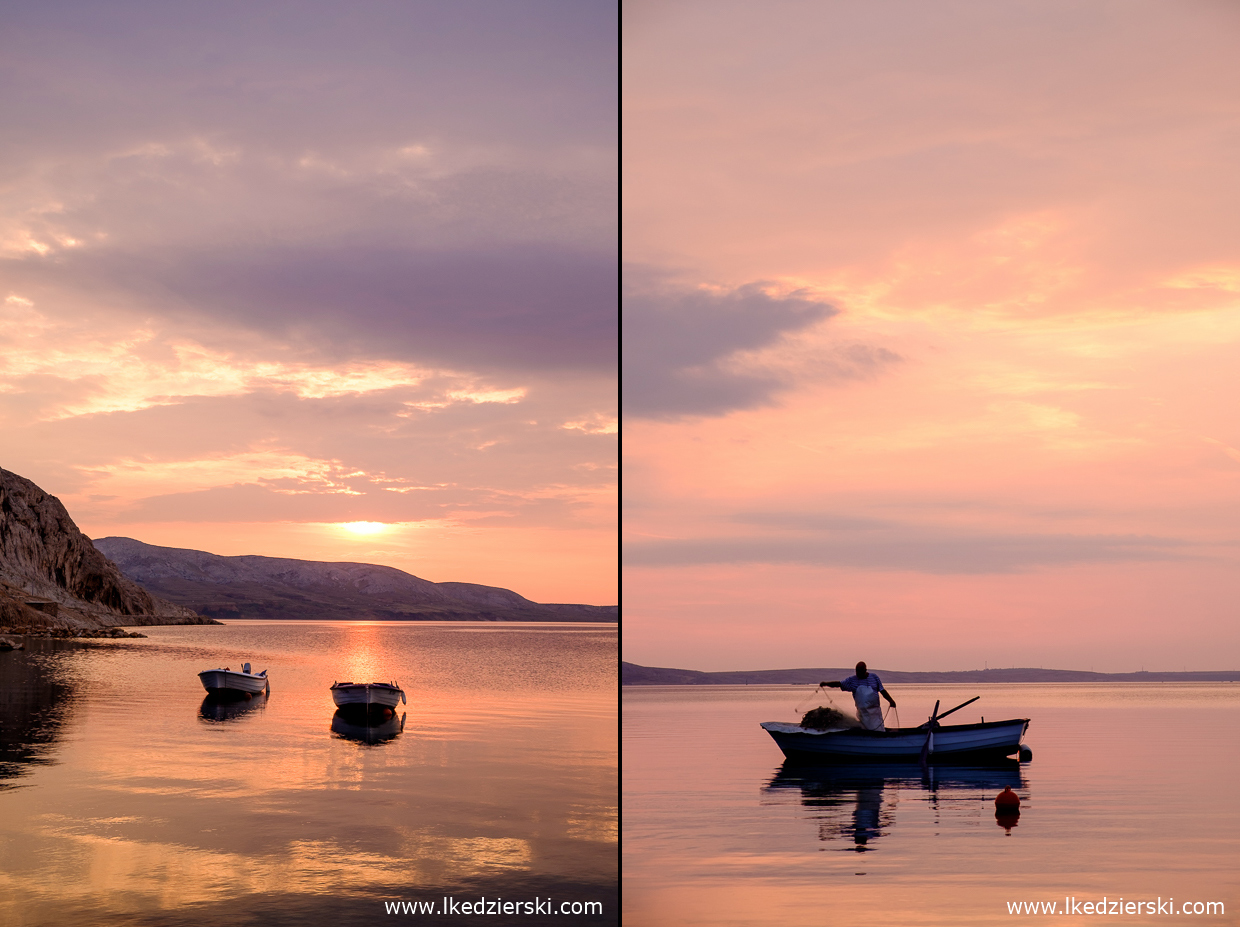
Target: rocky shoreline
{"points": [[54, 583], [71, 633], [17, 616]]}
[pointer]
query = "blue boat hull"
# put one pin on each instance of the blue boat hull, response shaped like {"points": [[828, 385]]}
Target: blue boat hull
{"points": [[954, 742]]}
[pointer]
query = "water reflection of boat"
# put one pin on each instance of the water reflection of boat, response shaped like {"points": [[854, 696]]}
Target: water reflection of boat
{"points": [[364, 730], [994, 776], [214, 708], [367, 696], [228, 683], [858, 802]]}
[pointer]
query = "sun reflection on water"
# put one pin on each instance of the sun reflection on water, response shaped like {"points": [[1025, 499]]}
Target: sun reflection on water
{"points": [[503, 772]]}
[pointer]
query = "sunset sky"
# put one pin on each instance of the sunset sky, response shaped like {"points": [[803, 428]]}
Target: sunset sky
{"points": [[932, 334], [272, 270]]}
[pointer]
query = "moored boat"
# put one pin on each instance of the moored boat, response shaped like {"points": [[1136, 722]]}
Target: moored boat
{"points": [[228, 682], [363, 696], [954, 742]]}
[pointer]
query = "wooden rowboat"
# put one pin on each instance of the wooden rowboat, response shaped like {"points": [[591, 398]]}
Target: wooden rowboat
{"points": [[363, 696], [947, 742]]}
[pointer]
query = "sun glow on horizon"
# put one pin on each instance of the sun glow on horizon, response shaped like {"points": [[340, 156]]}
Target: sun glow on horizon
{"points": [[365, 527]]}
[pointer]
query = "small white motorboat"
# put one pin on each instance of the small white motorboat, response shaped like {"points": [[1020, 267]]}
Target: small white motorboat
{"points": [[367, 695], [229, 682]]}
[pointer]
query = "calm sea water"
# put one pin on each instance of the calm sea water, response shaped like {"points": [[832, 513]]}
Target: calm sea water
{"points": [[125, 798], [1132, 793]]}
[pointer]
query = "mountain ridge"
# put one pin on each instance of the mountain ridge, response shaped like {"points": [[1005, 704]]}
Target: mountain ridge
{"points": [[254, 586]]}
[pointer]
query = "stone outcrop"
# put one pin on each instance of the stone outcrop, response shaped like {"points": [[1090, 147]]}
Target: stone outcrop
{"points": [[52, 576], [275, 587]]}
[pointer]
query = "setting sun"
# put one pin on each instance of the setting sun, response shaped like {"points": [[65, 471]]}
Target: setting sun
{"points": [[364, 527]]}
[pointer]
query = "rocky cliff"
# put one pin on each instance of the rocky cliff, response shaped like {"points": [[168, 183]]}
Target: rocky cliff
{"points": [[51, 575], [275, 587]]}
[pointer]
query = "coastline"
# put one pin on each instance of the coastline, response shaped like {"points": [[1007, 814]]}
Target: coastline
{"points": [[632, 674], [107, 631], [37, 617]]}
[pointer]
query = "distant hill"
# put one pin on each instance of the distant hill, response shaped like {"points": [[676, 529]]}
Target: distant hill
{"points": [[51, 576], [274, 587], [633, 675]]}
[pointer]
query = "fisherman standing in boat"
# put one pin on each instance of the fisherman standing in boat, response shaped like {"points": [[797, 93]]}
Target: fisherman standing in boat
{"points": [[865, 687]]}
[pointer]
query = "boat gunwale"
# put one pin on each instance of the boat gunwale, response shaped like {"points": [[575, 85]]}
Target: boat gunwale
{"points": [[233, 672], [366, 685], [893, 732]]}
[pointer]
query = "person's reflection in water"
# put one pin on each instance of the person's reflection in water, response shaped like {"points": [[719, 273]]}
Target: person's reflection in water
{"points": [[866, 823], [866, 818]]}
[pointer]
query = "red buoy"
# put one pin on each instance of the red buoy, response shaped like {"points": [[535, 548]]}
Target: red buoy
{"points": [[1007, 800]]}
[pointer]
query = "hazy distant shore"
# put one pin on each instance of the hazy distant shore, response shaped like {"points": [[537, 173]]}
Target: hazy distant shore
{"points": [[631, 674]]}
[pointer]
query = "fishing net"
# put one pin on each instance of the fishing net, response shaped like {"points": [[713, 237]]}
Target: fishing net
{"points": [[828, 717]]}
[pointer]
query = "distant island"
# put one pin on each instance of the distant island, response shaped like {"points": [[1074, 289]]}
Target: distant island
{"points": [[631, 674]]}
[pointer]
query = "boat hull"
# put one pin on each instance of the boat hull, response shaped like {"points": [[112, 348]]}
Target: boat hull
{"points": [[950, 743], [366, 695], [224, 683]]}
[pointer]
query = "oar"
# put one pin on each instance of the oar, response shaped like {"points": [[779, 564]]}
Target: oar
{"points": [[925, 747], [936, 717], [958, 707]]}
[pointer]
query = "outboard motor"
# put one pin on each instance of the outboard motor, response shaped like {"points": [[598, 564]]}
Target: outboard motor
{"points": [[245, 668]]}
